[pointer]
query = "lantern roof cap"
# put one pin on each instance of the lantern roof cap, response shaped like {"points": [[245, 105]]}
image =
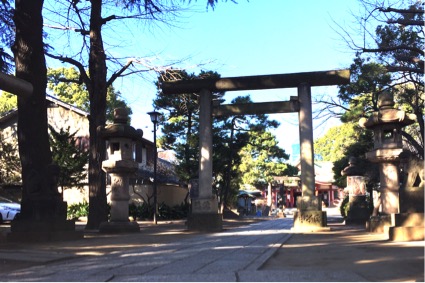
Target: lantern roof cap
{"points": [[120, 128], [387, 114]]}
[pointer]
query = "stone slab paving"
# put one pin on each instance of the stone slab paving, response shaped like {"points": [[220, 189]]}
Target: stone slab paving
{"points": [[229, 256], [32, 256], [266, 251]]}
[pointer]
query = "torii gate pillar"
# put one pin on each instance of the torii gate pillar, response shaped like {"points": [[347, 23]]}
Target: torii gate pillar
{"points": [[205, 215], [309, 215]]}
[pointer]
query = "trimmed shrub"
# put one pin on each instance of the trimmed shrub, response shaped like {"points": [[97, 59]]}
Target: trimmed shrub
{"points": [[344, 207], [138, 212], [78, 210]]}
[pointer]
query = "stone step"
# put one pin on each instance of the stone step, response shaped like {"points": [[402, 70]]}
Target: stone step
{"points": [[405, 234], [409, 219]]}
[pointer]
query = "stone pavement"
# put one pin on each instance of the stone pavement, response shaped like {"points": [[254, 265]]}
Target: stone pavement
{"points": [[262, 251], [322, 256]]}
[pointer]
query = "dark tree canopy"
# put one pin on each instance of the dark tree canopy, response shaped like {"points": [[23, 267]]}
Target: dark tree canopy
{"points": [[7, 36], [390, 58]]}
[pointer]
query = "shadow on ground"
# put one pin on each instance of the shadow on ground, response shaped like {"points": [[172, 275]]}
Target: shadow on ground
{"points": [[351, 249]]}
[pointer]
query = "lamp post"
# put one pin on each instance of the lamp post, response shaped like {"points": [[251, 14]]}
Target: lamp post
{"points": [[154, 118]]}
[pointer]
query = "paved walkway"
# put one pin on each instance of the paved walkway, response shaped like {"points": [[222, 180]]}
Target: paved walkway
{"points": [[224, 256], [258, 252]]}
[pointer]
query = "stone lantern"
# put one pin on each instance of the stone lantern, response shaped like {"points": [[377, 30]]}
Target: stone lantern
{"points": [[120, 165], [386, 124], [356, 186]]}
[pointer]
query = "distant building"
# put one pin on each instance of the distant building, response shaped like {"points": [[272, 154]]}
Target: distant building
{"points": [[62, 115], [286, 190]]}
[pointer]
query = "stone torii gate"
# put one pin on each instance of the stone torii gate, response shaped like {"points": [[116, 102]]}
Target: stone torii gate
{"points": [[205, 215]]}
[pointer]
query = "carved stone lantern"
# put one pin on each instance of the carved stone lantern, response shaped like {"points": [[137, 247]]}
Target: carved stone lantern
{"points": [[120, 165], [356, 186], [386, 124]]}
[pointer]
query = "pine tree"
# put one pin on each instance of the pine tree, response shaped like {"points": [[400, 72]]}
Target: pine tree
{"points": [[71, 159]]}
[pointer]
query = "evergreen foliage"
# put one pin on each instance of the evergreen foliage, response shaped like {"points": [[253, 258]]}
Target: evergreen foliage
{"points": [[71, 159], [391, 59], [8, 102], [145, 211], [394, 62], [77, 210], [6, 36], [68, 87], [10, 165], [262, 158]]}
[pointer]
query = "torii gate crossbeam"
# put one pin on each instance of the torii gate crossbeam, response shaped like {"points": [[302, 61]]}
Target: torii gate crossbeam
{"points": [[257, 108]]}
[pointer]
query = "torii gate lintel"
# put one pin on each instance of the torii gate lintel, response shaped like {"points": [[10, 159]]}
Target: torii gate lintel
{"points": [[321, 78]]}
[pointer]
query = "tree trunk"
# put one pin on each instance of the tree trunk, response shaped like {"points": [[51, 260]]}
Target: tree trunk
{"points": [[33, 137], [98, 209]]}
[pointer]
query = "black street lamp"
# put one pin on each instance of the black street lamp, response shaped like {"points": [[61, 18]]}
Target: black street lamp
{"points": [[155, 118]]}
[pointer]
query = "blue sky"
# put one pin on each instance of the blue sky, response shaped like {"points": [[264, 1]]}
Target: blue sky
{"points": [[255, 37], [252, 38]]}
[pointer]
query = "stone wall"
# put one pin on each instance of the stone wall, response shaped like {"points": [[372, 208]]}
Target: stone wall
{"points": [[171, 195]]}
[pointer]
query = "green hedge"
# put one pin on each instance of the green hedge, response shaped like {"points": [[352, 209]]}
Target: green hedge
{"points": [[138, 212], [78, 210], [344, 207]]}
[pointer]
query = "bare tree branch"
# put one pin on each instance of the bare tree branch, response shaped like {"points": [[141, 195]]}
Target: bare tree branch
{"points": [[77, 64], [117, 74], [413, 143], [83, 32]]}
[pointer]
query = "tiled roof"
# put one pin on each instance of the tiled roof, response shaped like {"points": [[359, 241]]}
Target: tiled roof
{"points": [[165, 173]]}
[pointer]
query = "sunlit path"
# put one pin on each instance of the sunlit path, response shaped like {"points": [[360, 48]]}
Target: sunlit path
{"points": [[220, 255]]}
